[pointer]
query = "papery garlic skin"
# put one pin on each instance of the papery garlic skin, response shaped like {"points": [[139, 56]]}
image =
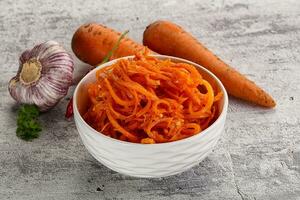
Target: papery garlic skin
{"points": [[44, 76]]}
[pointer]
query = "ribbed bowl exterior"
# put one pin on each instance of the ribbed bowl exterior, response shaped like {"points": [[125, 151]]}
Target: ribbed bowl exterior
{"points": [[154, 160]]}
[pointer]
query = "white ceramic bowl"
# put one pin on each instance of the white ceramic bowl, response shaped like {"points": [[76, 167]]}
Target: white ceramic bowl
{"points": [[148, 160]]}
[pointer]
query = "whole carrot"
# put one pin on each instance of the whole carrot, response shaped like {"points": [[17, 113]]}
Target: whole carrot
{"points": [[167, 38], [91, 43]]}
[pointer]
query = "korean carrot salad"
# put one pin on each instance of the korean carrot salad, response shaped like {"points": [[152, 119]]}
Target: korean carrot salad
{"points": [[147, 100]]}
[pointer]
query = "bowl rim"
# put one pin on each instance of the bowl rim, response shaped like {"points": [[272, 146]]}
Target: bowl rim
{"points": [[202, 133]]}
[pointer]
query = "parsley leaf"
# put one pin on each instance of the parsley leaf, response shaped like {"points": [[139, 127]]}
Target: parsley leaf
{"points": [[28, 126]]}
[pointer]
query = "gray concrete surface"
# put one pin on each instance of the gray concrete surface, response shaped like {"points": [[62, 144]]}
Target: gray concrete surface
{"points": [[258, 156]]}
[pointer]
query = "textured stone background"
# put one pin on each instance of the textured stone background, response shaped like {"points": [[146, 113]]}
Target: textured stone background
{"points": [[259, 154]]}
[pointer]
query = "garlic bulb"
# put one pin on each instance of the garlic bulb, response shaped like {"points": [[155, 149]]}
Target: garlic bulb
{"points": [[44, 76]]}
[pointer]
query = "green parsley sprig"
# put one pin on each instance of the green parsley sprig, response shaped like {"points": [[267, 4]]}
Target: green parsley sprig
{"points": [[28, 125]]}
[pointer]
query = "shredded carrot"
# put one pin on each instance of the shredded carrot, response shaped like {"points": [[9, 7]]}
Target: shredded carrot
{"points": [[147, 100]]}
